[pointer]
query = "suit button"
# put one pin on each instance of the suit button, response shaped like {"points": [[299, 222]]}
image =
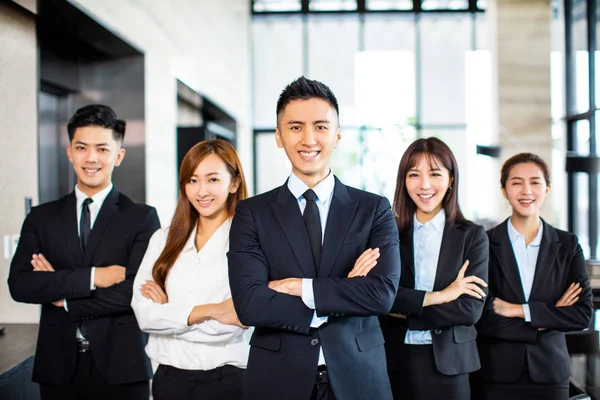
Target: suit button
{"points": [[314, 342], [437, 331], [295, 328], [284, 326]]}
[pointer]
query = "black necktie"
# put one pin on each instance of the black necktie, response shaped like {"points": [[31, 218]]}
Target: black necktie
{"points": [[312, 220], [85, 223]]}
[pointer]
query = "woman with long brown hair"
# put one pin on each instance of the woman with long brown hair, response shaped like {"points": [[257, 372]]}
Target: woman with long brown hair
{"points": [[429, 334], [181, 293]]}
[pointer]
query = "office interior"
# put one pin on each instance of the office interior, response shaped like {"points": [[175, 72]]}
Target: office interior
{"points": [[489, 77]]}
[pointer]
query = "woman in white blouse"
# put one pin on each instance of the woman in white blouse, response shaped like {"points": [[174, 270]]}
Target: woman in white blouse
{"points": [[181, 293]]}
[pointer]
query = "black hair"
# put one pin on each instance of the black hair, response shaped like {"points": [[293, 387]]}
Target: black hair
{"points": [[97, 115], [305, 89]]}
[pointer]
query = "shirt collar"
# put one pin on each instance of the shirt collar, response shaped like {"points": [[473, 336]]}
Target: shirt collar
{"points": [[437, 222], [98, 198], [323, 190], [221, 235], [514, 235]]}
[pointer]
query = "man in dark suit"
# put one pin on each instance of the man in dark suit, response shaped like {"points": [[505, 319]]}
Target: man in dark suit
{"points": [[311, 265], [77, 257]]}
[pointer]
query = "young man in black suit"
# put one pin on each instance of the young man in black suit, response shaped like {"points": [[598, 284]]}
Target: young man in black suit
{"points": [[77, 257], [311, 265]]}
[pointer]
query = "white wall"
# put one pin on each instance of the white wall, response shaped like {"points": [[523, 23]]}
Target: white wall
{"points": [[18, 140], [204, 43]]}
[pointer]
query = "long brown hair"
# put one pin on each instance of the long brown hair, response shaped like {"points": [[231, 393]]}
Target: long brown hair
{"points": [[435, 151], [186, 217]]}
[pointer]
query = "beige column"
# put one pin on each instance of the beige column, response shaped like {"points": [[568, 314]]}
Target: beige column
{"points": [[18, 141], [521, 33]]}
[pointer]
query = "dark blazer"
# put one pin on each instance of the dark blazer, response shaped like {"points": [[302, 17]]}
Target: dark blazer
{"points": [[505, 343], [268, 241], [451, 324], [119, 236]]}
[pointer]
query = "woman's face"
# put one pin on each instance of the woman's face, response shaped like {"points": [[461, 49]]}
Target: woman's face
{"points": [[526, 189], [427, 185], [209, 187]]}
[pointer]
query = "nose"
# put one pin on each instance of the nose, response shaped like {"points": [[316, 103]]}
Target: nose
{"points": [[425, 183], [92, 156], [202, 189], [527, 188], [309, 137]]}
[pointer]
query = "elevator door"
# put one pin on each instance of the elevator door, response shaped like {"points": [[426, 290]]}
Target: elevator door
{"points": [[56, 176]]}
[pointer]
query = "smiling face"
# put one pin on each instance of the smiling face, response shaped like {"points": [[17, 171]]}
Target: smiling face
{"points": [[209, 187], [94, 153], [308, 131], [427, 185], [526, 189]]}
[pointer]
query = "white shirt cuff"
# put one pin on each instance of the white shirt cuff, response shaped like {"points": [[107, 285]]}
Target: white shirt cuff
{"points": [[92, 278], [308, 295], [65, 305], [527, 312]]}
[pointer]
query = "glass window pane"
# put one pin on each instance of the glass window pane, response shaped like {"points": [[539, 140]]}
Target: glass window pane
{"points": [[272, 165], [582, 137], [445, 4], [332, 47], [389, 4], [581, 211], [445, 39], [482, 4], [277, 60], [389, 31], [277, 5], [579, 45], [482, 33], [332, 5]]}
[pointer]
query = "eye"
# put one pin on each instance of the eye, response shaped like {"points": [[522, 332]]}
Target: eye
{"points": [[213, 180], [322, 127], [103, 150], [535, 183], [80, 148], [412, 175], [436, 174], [193, 180], [294, 128], [516, 183]]}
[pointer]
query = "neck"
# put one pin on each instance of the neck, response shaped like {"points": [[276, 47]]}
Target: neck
{"points": [[424, 217], [526, 226], [208, 225], [312, 180], [91, 191]]}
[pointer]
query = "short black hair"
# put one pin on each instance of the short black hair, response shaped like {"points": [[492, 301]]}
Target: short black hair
{"points": [[305, 89], [97, 115]]}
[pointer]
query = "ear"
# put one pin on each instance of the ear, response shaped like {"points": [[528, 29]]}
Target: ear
{"points": [[278, 138], [235, 184], [338, 136], [120, 156], [504, 193], [69, 155], [547, 190]]}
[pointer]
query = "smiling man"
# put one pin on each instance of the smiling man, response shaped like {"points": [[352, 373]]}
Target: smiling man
{"points": [[77, 257], [311, 265]]}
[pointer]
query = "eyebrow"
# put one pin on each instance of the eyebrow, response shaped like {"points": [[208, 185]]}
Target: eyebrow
{"points": [[209, 174], [88, 144], [320, 121]]}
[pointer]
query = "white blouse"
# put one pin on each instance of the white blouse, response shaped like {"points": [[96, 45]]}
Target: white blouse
{"points": [[197, 277]]}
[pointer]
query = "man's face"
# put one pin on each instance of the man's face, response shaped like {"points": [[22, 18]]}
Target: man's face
{"points": [[94, 154], [308, 131]]}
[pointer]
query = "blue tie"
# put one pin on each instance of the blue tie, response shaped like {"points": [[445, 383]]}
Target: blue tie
{"points": [[312, 220]]}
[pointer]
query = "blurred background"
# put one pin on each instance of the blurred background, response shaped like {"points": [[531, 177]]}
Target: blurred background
{"points": [[490, 78]]}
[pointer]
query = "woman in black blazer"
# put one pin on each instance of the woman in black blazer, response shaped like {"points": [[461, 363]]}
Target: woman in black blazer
{"points": [[429, 335], [539, 289]]}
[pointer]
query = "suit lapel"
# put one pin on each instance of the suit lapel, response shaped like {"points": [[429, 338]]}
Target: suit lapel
{"points": [[407, 256], [341, 213], [546, 257], [452, 241], [106, 214], [69, 220], [288, 214], [502, 251]]}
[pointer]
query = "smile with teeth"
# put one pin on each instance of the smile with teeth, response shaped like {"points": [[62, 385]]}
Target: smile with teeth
{"points": [[91, 171], [308, 154], [426, 196], [204, 203], [526, 201]]}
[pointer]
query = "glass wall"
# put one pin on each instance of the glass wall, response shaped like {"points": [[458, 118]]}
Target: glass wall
{"points": [[400, 70], [582, 75]]}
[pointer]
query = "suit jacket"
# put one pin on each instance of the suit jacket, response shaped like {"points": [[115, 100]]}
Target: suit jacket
{"points": [[119, 236], [268, 241], [451, 324], [506, 343]]}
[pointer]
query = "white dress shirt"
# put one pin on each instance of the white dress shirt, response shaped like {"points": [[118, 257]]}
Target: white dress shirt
{"points": [[94, 207], [427, 242], [526, 257], [196, 278]]}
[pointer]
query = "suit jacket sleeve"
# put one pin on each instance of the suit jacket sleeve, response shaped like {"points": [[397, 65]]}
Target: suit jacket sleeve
{"points": [[500, 327], [466, 310], [366, 295], [38, 287], [117, 298], [572, 318], [256, 304]]}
